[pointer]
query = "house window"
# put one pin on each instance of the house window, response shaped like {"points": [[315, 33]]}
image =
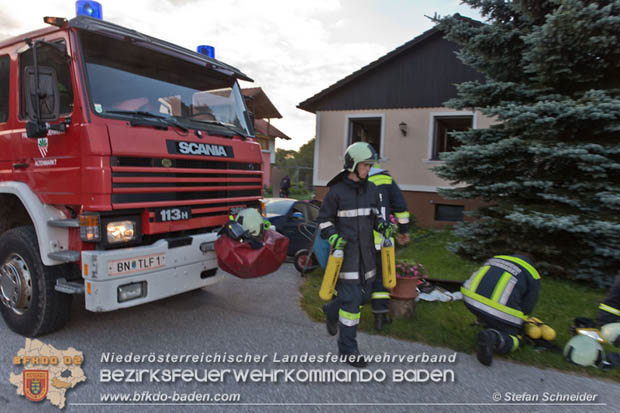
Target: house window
{"points": [[366, 130], [4, 88], [442, 126], [264, 143], [448, 212]]}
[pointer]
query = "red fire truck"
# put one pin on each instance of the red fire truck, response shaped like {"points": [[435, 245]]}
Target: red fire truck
{"points": [[121, 155]]}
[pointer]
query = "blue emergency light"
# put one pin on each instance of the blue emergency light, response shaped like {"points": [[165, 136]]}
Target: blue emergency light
{"points": [[89, 8], [206, 50]]}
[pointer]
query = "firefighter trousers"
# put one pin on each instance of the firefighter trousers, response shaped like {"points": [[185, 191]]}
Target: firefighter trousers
{"points": [[509, 334], [345, 307]]}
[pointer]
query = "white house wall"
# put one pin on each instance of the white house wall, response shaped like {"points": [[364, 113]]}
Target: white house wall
{"points": [[406, 157]]}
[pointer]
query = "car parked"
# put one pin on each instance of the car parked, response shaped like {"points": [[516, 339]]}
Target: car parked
{"points": [[294, 219]]}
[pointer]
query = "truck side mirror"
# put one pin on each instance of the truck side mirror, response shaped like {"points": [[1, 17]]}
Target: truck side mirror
{"points": [[36, 129], [42, 105]]}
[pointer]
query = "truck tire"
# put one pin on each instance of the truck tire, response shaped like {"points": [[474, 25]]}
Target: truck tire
{"points": [[29, 303]]}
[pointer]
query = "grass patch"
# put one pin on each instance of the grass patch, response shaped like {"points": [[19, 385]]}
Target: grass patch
{"points": [[450, 324]]}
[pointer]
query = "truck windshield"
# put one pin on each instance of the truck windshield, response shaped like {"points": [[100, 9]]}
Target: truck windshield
{"points": [[125, 77]]}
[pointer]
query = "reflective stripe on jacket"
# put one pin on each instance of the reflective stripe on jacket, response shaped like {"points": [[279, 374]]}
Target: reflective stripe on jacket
{"points": [[350, 209], [391, 201], [505, 288]]}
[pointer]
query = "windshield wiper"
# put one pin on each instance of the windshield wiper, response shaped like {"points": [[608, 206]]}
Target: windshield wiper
{"points": [[229, 126], [166, 119]]}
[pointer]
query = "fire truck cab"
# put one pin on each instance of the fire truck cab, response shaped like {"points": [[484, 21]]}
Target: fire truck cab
{"points": [[121, 155]]}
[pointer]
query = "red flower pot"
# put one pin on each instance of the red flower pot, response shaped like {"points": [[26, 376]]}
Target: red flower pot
{"points": [[405, 289]]}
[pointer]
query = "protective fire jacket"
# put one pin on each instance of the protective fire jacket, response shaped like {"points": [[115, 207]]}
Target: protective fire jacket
{"points": [[505, 288], [351, 210], [391, 201], [609, 310]]}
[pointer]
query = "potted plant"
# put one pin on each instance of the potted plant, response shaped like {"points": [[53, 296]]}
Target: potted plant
{"points": [[408, 276]]}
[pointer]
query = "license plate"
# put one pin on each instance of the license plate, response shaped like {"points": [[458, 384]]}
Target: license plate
{"points": [[136, 264], [173, 214]]}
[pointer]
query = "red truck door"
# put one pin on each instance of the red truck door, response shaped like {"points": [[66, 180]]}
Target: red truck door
{"points": [[53, 163], [5, 142]]}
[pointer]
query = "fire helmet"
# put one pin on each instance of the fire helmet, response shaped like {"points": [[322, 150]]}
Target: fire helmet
{"points": [[251, 220], [584, 351], [611, 333], [359, 152]]}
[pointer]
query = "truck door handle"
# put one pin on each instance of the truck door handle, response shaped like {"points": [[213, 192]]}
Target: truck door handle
{"points": [[20, 165]]}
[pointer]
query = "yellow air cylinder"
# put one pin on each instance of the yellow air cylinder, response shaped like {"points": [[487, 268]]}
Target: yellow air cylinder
{"points": [[547, 332], [330, 277], [532, 331], [388, 263]]}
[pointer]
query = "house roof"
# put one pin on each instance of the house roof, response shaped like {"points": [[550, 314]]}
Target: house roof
{"points": [[417, 76], [266, 129], [260, 104], [312, 101]]}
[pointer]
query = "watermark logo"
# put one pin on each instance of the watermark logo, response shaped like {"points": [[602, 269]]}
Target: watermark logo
{"points": [[48, 372], [35, 384]]}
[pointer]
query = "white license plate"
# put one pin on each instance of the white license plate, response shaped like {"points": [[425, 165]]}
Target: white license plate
{"points": [[136, 264]]}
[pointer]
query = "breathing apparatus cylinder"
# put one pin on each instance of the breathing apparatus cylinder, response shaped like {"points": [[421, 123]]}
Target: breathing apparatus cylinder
{"points": [[536, 329], [547, 332], [330, 277], [388, 263], [532, 331]]}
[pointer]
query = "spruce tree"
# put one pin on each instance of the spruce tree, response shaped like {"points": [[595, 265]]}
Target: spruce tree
{"points": [[549, 167]]}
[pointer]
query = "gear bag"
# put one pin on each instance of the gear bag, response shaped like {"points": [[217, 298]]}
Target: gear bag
{"points": [[247, 257]]}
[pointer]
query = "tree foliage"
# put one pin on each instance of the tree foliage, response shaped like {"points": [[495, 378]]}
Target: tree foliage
{"points": [[549, 167], [297, 164]]}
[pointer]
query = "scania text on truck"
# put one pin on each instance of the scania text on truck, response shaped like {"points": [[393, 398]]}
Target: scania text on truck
{"points": [[121, 155]]}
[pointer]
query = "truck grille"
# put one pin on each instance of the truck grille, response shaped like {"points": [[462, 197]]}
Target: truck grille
{"points": [[210, 188]]}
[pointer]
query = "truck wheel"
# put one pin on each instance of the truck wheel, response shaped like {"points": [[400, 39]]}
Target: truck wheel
{"points": [[29, 303]]}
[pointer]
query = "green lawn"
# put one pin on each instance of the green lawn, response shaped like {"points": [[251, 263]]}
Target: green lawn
{"points": [[450, 324]]}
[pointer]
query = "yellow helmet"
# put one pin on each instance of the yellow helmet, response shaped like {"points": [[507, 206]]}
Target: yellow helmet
{"points": [[251, 220]]}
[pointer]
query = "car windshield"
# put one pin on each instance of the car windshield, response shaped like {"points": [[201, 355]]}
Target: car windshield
{"points": [[276, 208], [125, 78]]}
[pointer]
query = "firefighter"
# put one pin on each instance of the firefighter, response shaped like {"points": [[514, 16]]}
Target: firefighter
{"points": [[285, 185], [502, 293], [347, 218], [609, 310], [391, 201]]}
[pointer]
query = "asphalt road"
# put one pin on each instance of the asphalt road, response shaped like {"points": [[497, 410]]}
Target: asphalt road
{"points": [[262, 317]]}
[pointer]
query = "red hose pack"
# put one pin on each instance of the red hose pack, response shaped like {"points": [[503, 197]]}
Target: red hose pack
{"points": [[243, 261]]}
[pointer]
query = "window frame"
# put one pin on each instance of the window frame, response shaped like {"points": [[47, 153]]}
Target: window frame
{"points": [[439, 205], [432, 132], [9, 89], [21, 113], [347, 130]]}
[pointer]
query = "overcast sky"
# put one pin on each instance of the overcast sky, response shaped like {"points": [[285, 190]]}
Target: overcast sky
{"points": [[293, 49]]}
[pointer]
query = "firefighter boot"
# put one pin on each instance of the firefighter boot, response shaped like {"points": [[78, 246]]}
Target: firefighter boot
{"points": [[332, 325], [381, 320], [488, 341], [355, 360]]}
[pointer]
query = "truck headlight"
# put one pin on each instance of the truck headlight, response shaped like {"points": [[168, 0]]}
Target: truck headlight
{"points": [[121, 231]]}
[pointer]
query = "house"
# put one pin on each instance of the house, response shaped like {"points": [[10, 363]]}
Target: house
{"points": [[263, 110], [396, 104]]}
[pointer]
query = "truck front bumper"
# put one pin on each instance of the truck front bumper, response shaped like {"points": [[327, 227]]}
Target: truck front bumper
{"points": [[129, 277]]}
